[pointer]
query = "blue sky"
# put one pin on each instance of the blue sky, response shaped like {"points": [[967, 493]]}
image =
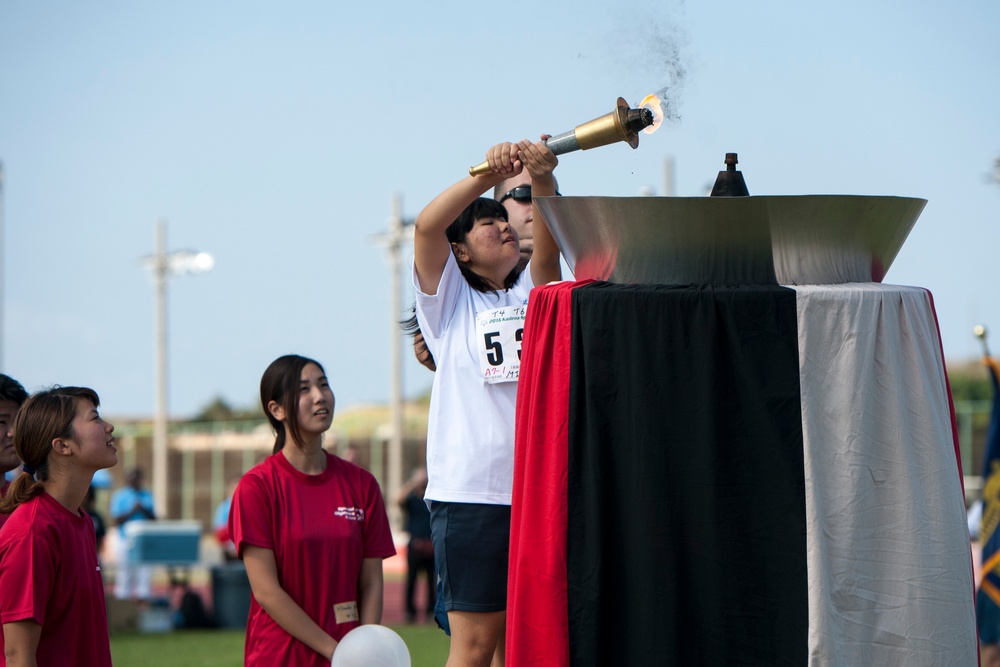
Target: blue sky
{"points": [[273, 136]]}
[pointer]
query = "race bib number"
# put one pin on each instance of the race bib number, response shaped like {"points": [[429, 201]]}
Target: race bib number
{"points": [[499, 334]]}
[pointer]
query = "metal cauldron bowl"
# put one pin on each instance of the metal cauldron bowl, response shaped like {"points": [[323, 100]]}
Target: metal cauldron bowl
{"points": [[788, 240]]}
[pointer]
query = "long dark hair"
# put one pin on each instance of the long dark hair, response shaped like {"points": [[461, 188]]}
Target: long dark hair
{"points": [[44, 417], [483, 207], [410, 326], [280, 383]]}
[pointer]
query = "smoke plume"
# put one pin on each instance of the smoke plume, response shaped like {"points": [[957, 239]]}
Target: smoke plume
{"points": [[650, 44]]}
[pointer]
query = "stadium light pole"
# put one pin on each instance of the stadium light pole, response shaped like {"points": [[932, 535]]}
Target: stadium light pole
{"points": [[162, 265], [400, 232], [668, 176]]}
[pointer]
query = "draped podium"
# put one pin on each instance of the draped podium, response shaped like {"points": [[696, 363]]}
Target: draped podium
{"points": [[759, 475]]}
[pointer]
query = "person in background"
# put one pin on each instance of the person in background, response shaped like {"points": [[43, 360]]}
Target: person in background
{"points": [[515, 195], [352, 455], [51, 592], [100, 527], [131, 503], [220, 524], [420, 548], [12, 396], [310, 527]]}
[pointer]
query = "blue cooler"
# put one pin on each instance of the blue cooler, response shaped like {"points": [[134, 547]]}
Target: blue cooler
{"points": [[163, 542]]}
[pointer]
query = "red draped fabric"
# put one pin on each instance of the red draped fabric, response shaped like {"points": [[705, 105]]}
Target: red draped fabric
{"points": [[538, 529]]}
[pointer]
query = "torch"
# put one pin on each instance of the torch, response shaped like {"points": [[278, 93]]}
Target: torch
{"points": [[622, 124]]}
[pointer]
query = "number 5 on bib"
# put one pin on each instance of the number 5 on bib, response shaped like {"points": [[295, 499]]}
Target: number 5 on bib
{"points": [[498, 336]]}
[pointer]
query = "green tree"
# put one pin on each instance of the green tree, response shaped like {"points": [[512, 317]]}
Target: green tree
{"points": [[219, 410]]}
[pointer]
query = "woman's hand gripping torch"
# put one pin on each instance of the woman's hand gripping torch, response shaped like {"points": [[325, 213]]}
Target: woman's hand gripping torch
{"points": [[622, 124]]}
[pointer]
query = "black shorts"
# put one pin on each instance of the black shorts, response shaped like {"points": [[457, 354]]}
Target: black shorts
{"points": [[471, 550]]}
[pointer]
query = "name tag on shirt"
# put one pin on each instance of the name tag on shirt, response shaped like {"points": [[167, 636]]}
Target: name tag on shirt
{"points": [[498, 334], [346, 611]]}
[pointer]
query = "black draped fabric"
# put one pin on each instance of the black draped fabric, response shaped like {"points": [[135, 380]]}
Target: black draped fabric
{"points": [[686, 532]]}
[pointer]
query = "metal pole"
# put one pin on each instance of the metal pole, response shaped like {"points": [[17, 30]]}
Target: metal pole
{"points": [[188, 464], [220, 482], [400, 231], [395, 463], [160, 474], [668, 176]]}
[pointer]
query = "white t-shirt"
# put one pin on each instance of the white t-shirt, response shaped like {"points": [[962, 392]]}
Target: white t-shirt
{"points": [[470, 432]]}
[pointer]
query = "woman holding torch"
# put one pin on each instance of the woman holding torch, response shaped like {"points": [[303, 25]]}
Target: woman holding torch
{"points": [[470, 302]]}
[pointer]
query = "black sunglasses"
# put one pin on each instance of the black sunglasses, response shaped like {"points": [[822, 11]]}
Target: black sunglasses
{"points": [[521, 193]]}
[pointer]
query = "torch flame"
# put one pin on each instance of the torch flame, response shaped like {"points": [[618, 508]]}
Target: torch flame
{"points": [[655, 106]]}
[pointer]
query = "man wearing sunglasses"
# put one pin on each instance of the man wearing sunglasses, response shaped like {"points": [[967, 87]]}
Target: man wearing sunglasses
{"points": [[515, 195]]}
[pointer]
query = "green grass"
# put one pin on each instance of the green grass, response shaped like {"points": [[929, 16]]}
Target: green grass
{"points": [[224, 648]]}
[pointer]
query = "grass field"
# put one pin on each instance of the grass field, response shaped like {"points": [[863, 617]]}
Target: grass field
{"points": [[224, 648]]}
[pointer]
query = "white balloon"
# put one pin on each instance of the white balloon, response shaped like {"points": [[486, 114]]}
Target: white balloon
{"points": [[371, 646]]}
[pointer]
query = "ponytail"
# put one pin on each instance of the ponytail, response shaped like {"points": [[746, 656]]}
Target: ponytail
{"points": [[24, 487], [279, 439]]}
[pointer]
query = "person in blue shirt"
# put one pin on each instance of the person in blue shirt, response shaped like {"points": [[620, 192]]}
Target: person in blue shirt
{"points": [[131, 503], [220, 524]]}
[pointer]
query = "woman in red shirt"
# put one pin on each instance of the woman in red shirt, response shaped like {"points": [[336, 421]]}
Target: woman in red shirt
{"points": [[310, 527], [51, 591]]}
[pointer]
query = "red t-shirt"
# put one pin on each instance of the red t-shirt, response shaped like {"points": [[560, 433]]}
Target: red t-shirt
{"points": [[320, 528], [49, 573]]}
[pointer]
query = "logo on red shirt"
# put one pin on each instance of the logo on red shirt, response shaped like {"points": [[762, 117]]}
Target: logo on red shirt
{"points": [[351, 513]]}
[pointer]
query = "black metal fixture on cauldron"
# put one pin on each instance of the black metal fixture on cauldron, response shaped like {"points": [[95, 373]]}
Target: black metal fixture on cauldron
{"points": [[730, 183]]}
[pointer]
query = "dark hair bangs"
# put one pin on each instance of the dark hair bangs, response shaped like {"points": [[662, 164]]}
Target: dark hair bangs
{"points": [[483, 207]]}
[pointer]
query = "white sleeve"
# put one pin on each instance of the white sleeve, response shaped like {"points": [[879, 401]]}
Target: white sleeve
{"points": [[435, 311]]}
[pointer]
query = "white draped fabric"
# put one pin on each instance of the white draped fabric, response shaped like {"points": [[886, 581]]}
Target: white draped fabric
{"points": [[889, 561]]}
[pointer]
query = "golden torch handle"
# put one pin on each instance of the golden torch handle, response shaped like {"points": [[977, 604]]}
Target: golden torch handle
{"points": [[622, 124]]}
